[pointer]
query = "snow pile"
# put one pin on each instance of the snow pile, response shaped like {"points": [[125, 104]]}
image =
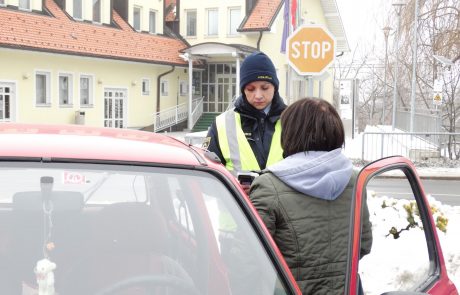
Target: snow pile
{"points": [[400, 263], [450, 241]]}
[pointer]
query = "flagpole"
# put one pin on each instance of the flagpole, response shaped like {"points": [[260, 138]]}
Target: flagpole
{"points": [[289, 69]]}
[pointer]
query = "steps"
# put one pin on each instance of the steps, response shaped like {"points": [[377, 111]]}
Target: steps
{"points": [[204, 122]]}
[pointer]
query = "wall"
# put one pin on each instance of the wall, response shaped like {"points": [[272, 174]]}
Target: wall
{"points": [[20, 66], [146, 6], [223, 11]]}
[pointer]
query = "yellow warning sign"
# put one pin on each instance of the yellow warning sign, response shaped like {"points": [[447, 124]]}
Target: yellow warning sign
{"points": [[437, 98]]}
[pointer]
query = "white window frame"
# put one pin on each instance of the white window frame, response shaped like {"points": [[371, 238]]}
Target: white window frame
{"points": [[28, 8], [74, 3], [47, 75], [90, 90], [155, 13], [100, 11], [137, 8], [164, 87], [69, 102], [2, 3], [230, 23], [183, 88], [187, 22], [146, 89], [211, 27]]}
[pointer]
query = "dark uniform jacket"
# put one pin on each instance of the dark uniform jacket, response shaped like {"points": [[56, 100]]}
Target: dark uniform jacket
{"points": [[258, 127]]}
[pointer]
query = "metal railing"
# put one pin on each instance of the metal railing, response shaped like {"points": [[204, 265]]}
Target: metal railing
{"points": [[177, 114], [197, 110], [170, 117], [417, 146]]}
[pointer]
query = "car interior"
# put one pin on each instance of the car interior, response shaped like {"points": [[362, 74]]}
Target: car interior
{"points": [[127, 247], [74, 228]]}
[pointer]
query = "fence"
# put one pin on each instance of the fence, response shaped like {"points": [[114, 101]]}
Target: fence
{"points": [[424, 121], [417, 146]]}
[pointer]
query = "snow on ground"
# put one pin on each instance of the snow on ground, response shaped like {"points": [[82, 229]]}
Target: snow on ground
{"points": [[398, 264]]}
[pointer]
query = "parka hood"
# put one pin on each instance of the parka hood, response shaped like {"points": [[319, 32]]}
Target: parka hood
{"points": [[319, 174]]}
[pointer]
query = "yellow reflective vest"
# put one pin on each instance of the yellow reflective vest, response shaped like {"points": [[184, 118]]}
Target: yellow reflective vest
{"points": [[235, 147]]}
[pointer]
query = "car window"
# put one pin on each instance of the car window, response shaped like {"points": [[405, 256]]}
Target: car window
{"points": [[121, 228], [399, 259]]}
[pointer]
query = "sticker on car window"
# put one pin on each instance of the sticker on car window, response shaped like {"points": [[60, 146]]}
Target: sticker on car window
{"points": [[73, 178]]}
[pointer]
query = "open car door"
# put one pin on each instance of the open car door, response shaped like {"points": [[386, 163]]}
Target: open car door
{"points": [[406, 255]]}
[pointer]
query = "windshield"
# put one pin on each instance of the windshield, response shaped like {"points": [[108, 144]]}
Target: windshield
{"points": [[126, 230]]}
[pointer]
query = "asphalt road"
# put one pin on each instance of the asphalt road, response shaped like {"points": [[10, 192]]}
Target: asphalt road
{"points": [[445, 191]]}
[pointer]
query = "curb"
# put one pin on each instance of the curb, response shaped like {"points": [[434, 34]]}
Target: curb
{"points": [[425, 177]]}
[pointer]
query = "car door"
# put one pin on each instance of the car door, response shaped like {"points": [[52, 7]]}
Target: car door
{"points": [[406, 255]]}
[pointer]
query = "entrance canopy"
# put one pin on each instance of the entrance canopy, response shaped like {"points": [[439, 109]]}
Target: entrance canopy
{"points": [[226, 84], [210, 49]]}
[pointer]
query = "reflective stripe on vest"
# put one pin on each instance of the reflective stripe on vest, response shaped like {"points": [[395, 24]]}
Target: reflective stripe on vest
{"points": [[235, 147]]}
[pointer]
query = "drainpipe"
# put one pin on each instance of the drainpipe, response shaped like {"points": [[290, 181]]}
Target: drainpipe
{"points": [[258, 40], [159, 86], [190, 93]]}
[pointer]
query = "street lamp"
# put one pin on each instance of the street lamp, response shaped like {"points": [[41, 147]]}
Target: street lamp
{"points": [[386, 33], [398, 7]]}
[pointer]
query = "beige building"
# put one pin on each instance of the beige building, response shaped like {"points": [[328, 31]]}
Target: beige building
{"points": [[144, 64]]}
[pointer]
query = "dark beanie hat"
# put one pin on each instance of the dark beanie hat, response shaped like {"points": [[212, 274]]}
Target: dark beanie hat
{"points": [[257, 67]]}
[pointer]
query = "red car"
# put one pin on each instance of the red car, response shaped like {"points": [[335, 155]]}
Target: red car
{"points": [[113, 211]]}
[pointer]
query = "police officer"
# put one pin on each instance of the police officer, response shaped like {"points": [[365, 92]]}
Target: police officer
{"points": [[247, 138]]}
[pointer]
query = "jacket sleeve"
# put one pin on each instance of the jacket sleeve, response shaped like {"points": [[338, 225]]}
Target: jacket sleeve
{"points": [[212, 143], [366, 232], [263, 196]]}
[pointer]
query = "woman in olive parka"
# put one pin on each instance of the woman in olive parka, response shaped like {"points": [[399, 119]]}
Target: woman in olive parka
{"points": [[305, 199]]}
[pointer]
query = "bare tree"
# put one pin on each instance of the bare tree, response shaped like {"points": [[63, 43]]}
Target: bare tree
{"points": [[438, 34]]}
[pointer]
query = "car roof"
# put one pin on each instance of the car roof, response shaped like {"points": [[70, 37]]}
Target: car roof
{"points": [[94, 143]]}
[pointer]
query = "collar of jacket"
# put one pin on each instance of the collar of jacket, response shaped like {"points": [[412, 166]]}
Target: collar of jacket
{"points": [[243, 107]]}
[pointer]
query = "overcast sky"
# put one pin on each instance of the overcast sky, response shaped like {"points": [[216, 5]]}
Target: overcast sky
{"points": [[363, 21]]}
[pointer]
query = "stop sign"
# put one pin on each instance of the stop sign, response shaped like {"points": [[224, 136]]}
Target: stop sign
{"points": [[310, 49]]}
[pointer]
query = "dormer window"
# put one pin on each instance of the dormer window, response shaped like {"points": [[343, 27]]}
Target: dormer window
{"points": [[137, 18], [152, 21], [77, 9], [97, 11], [24, 4]]}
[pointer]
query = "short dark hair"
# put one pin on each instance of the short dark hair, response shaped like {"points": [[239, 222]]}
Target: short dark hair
{"points": [[311, 124]]}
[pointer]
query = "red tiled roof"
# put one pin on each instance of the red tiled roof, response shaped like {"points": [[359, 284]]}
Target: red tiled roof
{"points": [[29, 31], [262, 16]]}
